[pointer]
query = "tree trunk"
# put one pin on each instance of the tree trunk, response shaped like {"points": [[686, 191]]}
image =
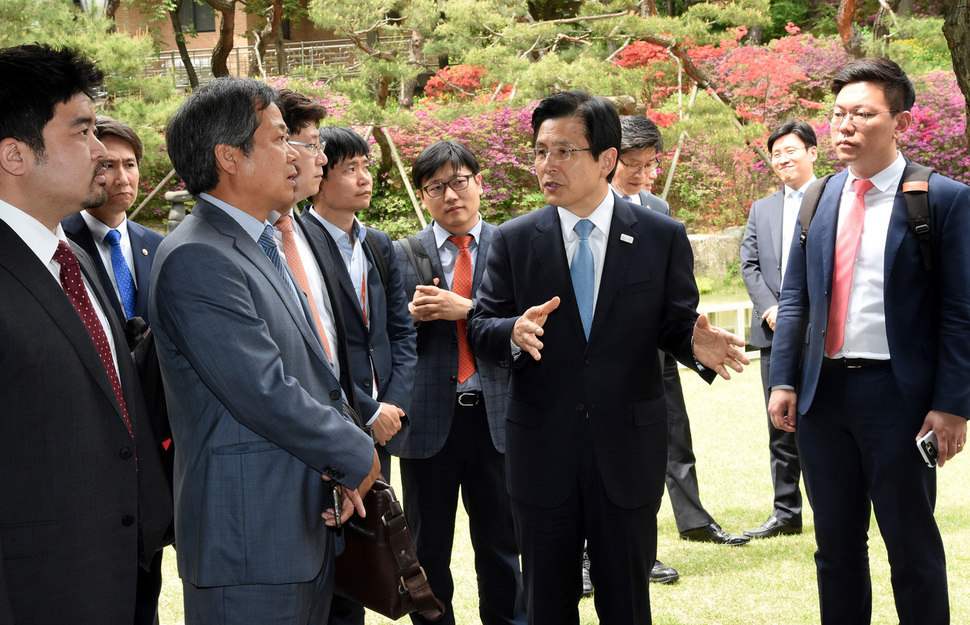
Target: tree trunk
{"points": [[227, 28], [282, 66], [956, 28], [273, 15], [110, 8], [885, 19], [387, 161], [176, 18], [845, 18], [415, 57]]}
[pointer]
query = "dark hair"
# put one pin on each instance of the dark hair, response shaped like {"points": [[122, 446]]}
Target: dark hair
{"points": [[34, 79], [600, 120], [108, 127], [299, 111], [639, 133], [222, 112], [791, 127], [896, 85], [439, 154], [342, 143]]}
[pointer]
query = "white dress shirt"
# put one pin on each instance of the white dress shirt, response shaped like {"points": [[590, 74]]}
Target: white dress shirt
{"points": [[598, 238], [789, 218], [98, 232]]}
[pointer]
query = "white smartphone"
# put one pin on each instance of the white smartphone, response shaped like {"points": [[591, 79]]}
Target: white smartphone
{"points": [[928, 447]]}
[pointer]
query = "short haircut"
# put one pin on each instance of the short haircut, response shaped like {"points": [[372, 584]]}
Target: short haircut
{"points": [[440, 154], [108, 127], [791, 127], [222, 112], [896, 85], [600, 120], [342, 143], [639, 133], [34, 79], [299, 111]]}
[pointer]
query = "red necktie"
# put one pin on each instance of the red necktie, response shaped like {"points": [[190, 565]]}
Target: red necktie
{"points": [[845, 252], [285, 226], [462, 285], [73, 286]]}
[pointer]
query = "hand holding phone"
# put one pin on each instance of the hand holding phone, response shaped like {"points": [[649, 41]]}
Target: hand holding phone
{"points": [[928, 446]]}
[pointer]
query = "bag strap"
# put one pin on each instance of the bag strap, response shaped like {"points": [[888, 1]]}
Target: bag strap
{"points": [[810, 204], [419, 259], [916, 186], [378, 257]]}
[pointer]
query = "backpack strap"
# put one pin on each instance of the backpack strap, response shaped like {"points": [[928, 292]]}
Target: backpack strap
{"points": [[419, 259], [916, 186], [379, 261], [810, 204]]}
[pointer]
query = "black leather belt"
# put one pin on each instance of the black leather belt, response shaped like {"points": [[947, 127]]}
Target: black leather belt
{"points": [[854, 363], [470, 398]]}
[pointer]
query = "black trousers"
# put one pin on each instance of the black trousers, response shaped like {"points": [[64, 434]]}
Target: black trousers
{"points": [[786, 467]]}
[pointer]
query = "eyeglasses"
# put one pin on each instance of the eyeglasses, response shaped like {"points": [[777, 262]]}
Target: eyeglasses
{"points": [[649, 166], [857, 119], [560, 155], [789, 152], [315, 148], [437, 189]]}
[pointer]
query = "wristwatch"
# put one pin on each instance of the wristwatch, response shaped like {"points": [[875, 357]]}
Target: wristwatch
{"points": [[471, 311]]}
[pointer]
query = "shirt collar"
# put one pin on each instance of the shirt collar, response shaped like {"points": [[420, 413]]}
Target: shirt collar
{"points": [[358, 230], [247, 222], [886, 179], [801, 189], [99, 229], [441, 235], [41, 241], [601, 217]]}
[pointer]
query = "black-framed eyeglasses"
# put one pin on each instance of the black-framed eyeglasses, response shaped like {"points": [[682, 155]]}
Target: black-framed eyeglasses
{"points": [[437, 189], [857, 119], [650, 166], [315, 148], [789, 152], [560, 155]]}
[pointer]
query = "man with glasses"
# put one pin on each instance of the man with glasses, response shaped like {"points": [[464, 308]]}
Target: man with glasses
{"points": [[456, 443], [579, 296], [772, 222], [870, 353], [380, 334]]}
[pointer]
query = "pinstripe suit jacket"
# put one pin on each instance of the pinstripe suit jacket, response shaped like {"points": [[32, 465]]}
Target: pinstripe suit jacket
{"points": [[436, 379]]}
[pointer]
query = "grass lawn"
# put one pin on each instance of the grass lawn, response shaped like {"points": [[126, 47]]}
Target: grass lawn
{"points": [[765, 582]]}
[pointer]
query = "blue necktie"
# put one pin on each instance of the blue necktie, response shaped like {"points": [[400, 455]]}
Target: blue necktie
{"points": [[582, 273], [126, 284], [268, 243]]}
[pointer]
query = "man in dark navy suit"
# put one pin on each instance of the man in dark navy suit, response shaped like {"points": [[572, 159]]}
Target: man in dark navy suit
{"points": [[870, 353], [579, 296]]}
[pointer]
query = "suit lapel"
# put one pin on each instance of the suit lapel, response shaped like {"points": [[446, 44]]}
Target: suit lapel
{"points": [[898, 225], [620, 249], [427, 240], [143, 268], [77, 230], [550, 253], [826, 221], [776, 220], [484, 242]]}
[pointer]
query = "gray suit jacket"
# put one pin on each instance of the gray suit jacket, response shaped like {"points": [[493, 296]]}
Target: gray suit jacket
{"points": [[654, 203], [254, 408], [761, 262], [436, 379], [70, 493]]}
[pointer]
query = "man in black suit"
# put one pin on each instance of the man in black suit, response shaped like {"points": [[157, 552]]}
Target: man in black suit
{"points": [[85, 500], [579, 296]]}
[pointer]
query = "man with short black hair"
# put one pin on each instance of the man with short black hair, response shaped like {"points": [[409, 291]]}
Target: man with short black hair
{"points": [[870, 353], [578, 297], [772, 222]]}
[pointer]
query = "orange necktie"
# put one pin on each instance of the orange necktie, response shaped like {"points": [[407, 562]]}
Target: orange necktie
{"points": [[285, 225], [845, 251], [462, 285]]}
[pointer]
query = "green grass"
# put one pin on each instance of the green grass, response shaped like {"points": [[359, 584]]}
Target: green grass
{"points": [[766, 582]]}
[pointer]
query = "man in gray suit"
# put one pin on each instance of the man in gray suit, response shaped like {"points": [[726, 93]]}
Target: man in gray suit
{"points": [[772, 222], [254, 402], [456, 440], [84, 498]]}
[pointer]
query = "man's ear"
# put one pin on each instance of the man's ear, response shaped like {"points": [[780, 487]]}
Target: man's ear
{"points": [[14, 155], [608, 160], [227, 157]]}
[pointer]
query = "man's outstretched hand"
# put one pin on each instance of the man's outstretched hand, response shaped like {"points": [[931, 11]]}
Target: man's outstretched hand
{"points": [[718, 349]]}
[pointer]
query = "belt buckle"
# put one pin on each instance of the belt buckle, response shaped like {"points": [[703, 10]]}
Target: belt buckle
{"points": [[471, 397], [851, 366]]}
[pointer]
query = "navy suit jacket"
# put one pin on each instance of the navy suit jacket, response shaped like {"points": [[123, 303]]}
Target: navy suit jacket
{"points": [[388, 344], [436, 378], [611, 385], [761, 262], [927, 316], [70, 493], [255, 409], [144, 243]]}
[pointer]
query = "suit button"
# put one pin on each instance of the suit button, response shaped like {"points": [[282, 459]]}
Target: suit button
{"points": [[580, 407], [367, 383], [504, 364], [589, 361], [370, 347], [454, 379], [125, 453], [454, 342], [335, 395], [127, 520]]}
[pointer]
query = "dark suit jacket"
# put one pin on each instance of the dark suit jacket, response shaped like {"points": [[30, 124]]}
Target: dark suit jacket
{"points": [[436, 379], [254, 406], [761, 262], [388, 344], [144, 242], [647, 301], [69, 540], [926, 315]]}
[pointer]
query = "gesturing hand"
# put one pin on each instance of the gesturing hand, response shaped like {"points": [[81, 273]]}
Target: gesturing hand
{"points": [[528, 327]]}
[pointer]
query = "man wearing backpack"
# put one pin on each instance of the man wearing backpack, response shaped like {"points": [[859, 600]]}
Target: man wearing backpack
{"points": [[871, 352]]}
